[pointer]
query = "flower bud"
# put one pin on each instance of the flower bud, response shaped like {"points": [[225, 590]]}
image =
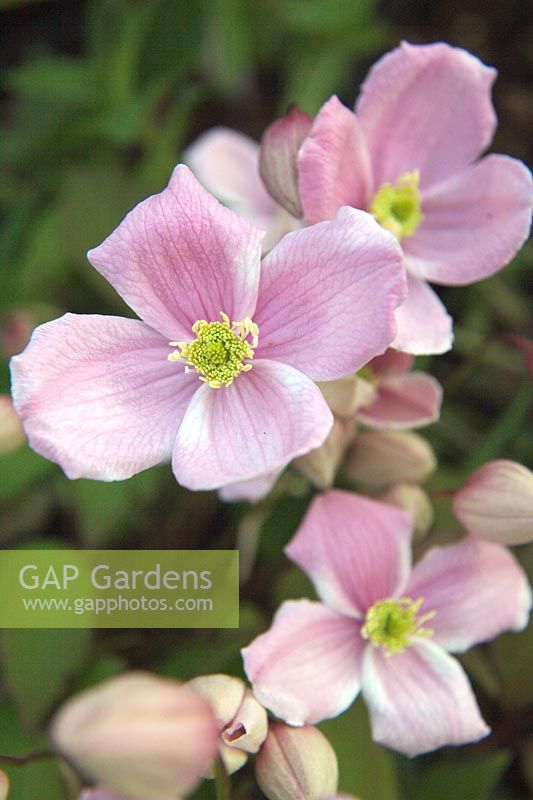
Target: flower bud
{"points": [[242, 720], [320, 465], [496, 503], [99, 794], [296, 764], [377, 459], [414, 500], [11, 431], [278, 157], [4, 785], [138, 735], [347, 395], [15, 333]]}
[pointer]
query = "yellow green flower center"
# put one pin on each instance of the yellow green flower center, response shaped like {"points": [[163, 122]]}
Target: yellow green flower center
{"points": [[398, 207], [393, 623], [221, 350]]}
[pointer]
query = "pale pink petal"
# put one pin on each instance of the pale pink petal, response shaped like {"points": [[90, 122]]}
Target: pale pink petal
{"points": [[252, 490], [327, 296], [306, 668], [477, 590], [333, 164], [180, 256], [473, 224], [392, 362], [420, 699], [426, 107], [100, 794], [354, 549], [424, 326], [98, 396], [411, 400], [226, 162], [240, 432]]}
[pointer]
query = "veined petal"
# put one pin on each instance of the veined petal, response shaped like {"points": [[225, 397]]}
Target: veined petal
{"points": [[240, 432], [98, 396], [392, 362], [424, 325], [420, 699], [426, 107], [477, 590], [252, 490], [474, 222], [226, 162], [306, 668], [327, 296], [355, 550], [179, 256], [333, 164], [408, 400]]}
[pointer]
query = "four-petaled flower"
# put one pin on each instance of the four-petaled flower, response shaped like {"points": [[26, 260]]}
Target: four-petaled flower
{"points": [[219, 373], [384, 629]]}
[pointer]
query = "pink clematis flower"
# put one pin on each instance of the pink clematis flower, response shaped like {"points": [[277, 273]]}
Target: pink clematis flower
{"points": [[403, 399], [409, 156], [383, 628], [227, 397]]}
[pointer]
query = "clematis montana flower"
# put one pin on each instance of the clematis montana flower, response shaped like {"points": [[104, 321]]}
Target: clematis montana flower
{"points": [[408, 155], [219, 373], [383, 628]]}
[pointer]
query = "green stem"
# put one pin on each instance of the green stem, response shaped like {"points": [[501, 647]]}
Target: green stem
{"points": [[222, 781], [21, 761]]}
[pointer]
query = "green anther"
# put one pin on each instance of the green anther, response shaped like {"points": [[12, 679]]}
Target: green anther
{"points": [[393, 623], [220, 351], [398, 207]]}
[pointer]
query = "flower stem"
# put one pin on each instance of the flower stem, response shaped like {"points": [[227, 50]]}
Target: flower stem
{"points": [[222, 781]]}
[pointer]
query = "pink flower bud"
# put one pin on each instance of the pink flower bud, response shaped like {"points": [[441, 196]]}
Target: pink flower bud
{"points": [[377, 459], [242, 720], [277, 158], [138, 735], [347, 395], [414, 500], [100, 794], [4, 785], [15, 333], [496, 503], [11, 431], [320, 465], [296, 764]]}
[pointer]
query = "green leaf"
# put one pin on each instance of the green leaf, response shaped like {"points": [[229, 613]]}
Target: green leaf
{"points": [[38, 666], [21, 470], [365, 769], [468, 778], [57, 81]]}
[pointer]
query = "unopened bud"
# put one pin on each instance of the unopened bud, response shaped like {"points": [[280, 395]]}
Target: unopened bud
{"points": [[320, 465], [4, 785], [15, 332], [138, 735], [100, 794], [11, 431], [296, 764], [278, 158], [496, 503], [377, 459], [242, 720], [416, 501], [347, 395]]}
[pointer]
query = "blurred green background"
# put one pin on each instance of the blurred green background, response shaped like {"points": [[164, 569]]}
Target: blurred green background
{"points": [[98, 100]]}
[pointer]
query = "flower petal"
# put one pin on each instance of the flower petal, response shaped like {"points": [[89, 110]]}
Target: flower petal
{"points": [[474, 222], [424, 326], [392, 362], [420, 699], [477, 589], [333, 164], [355, 550], [426, 107], [306, 668], [226, 162], [98, 396], [327, 296], [411, 400], [264, 419], [180, 256], [252, 491]]}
